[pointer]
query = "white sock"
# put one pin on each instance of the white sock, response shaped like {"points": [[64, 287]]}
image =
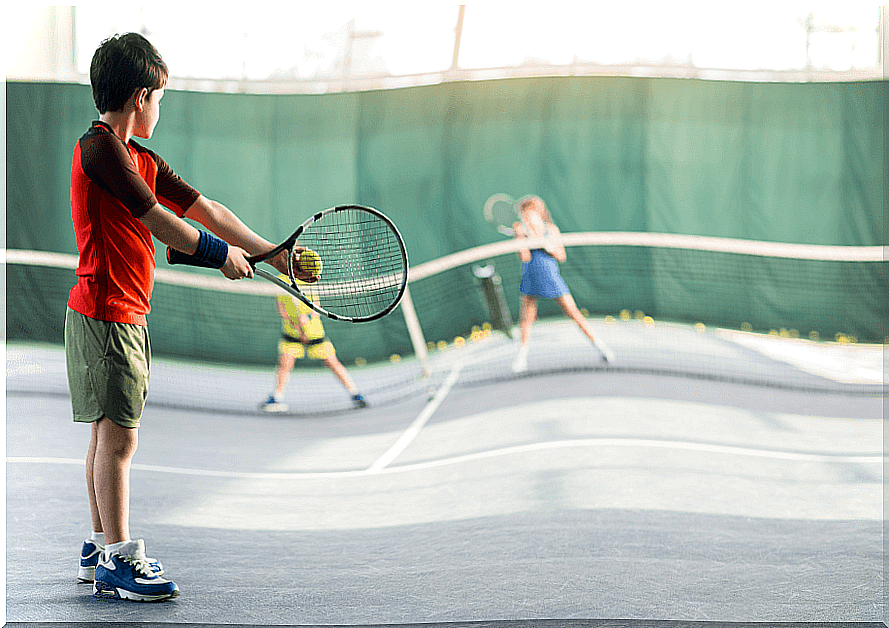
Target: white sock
{"points": [[114, 548], [98, 538]]}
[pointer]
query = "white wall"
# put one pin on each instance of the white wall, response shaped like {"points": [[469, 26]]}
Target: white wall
{"points": [[38, 42]]}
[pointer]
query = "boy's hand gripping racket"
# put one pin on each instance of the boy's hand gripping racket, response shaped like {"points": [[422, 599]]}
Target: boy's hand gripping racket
{"points": [[356, 255]]}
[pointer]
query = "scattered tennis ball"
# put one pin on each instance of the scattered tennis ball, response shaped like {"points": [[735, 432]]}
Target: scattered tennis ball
{"points": [[310, 262]]}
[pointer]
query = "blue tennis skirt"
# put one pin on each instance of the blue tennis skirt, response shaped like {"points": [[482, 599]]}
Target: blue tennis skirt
{"points": [[541, 278]]}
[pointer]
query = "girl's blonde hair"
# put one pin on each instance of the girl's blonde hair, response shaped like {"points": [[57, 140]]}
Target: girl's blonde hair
{"points": [[529, 201]]}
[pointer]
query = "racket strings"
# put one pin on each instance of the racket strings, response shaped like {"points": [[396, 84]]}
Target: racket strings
{"points": [[501, 211], [363, 263]]}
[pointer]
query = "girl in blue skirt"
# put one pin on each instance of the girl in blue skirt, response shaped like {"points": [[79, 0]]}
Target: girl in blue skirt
{"points": [[541, 278]]}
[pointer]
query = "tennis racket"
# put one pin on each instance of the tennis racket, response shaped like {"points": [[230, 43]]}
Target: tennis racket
{"points": [[363, 263], [502, 212]]}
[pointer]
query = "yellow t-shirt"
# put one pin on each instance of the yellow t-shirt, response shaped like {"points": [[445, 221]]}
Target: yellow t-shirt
{"points": [[291, 310]]}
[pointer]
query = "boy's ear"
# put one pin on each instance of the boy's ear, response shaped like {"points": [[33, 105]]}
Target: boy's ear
{"points": [[140, 98]]}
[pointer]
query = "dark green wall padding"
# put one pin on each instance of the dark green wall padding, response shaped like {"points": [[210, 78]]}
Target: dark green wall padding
{"points": [[801, 163]]}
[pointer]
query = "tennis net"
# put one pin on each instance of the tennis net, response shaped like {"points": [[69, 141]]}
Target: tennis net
{"points": [[766, 314]]}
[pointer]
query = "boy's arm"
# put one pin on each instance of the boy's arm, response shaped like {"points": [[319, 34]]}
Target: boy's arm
{"points": [[299, 322], [178, 234], [303, 320], [224, 223]]}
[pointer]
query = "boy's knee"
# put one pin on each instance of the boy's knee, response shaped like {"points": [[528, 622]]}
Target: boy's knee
{"points": [[120, 441]]}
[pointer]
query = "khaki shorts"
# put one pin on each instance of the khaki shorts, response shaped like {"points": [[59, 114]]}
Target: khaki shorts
{"points": [[108, 369]]}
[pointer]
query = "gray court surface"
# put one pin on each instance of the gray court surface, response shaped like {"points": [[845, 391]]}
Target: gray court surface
{"points": [[570, 497]]}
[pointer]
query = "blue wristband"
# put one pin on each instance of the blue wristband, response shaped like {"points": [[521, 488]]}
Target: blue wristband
{"points": [[211, 250]]}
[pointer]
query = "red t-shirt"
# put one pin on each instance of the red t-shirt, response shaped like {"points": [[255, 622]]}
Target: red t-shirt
{"points": [[112, 185]]}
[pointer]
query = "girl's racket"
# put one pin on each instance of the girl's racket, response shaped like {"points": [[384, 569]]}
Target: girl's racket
{"points": [[502, 212], [359, 256]]}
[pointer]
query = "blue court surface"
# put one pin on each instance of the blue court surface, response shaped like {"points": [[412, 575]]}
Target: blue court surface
{"points": [[604, 496]]}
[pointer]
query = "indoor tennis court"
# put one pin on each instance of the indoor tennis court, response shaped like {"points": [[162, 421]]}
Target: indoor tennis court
{"points": [[723, 224], [588, 494]]}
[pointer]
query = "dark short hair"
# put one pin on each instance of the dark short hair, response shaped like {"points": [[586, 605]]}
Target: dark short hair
{"points": [[121, 65]]}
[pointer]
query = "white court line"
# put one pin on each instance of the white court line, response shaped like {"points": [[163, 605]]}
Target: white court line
{"points": [[494, 453], [414, 429]]}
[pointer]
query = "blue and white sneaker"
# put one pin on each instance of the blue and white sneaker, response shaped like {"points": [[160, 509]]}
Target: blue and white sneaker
{"points": [[272, 405], [89, 558], [358, 400], [127, 575]]}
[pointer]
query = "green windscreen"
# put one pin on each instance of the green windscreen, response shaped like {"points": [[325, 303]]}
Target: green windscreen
{"points": [[795, 163]]}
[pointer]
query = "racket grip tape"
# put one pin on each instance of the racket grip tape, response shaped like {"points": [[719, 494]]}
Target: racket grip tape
{"points": [[211, 253]]}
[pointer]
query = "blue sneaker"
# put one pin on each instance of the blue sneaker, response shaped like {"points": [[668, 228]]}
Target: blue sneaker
{"points": [[358, 400], [89, 558], [127, 575], [272, 405]]}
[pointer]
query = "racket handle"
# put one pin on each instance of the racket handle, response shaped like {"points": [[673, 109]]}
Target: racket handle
{"points": [[178, 257]]}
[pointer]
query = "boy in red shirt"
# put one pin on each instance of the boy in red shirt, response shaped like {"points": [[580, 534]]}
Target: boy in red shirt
{"points": [[118, 190]]}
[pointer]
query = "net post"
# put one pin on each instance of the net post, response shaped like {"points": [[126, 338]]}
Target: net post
{"points": [[415, 331], [492, 289]]}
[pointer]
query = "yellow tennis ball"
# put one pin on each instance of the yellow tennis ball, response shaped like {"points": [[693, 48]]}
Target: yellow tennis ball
{"points": [[310, 262]]}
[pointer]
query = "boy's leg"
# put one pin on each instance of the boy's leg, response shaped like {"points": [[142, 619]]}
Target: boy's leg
{"points": [[108, 367], [108, 371], [333, 363], [287, 354], [90, 485], [90, 554], [115, 447], [108, 484], [123, 571], [282, 373]]}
